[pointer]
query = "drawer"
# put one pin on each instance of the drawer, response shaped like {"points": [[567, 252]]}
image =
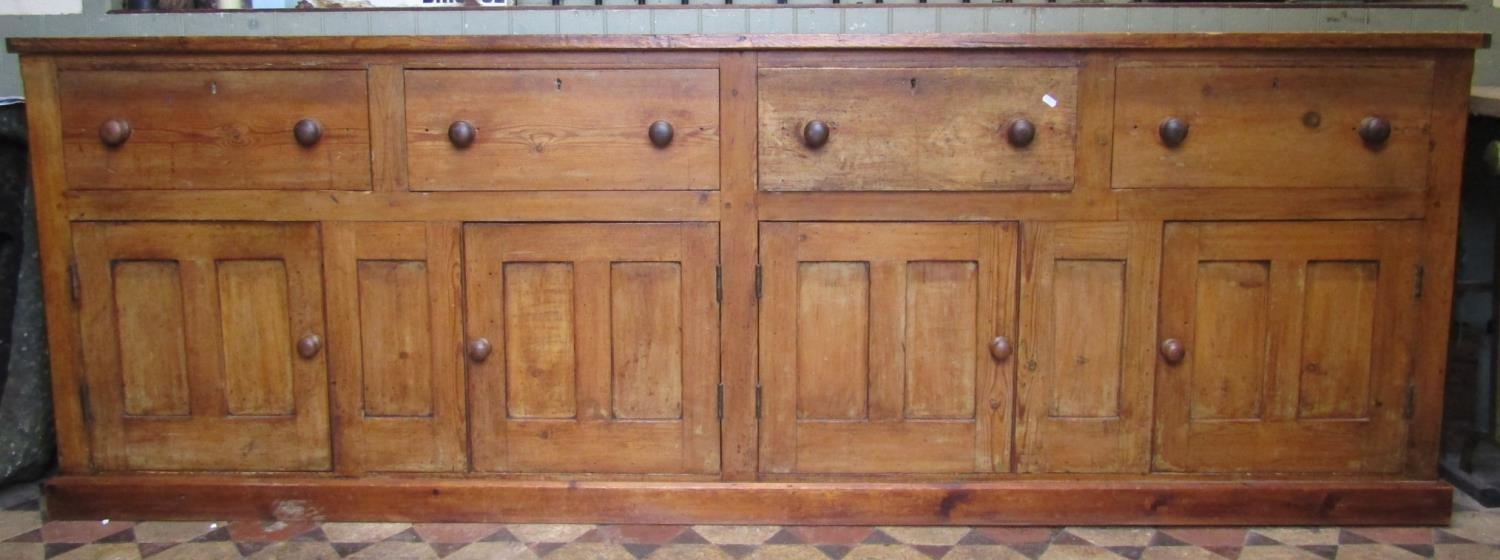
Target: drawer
{"points": [[1273, 127], [917, 129], [253, 129], [503, 130]]}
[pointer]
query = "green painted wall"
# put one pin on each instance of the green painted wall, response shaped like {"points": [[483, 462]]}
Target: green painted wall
{"points": [[802, 16]]}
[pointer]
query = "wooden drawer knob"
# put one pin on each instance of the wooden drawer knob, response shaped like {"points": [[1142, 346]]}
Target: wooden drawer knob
{"points": [[307, 132], [1172, 350], [1173, 131], [478, 349], [1020, 133], [1374, 130], [461, 134], [815, 134], [660, 133], [309, 346], [114, 132], [1000, 348]]}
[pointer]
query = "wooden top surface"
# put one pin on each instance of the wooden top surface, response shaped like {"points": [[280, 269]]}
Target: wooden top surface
{"points": [[501, 43]]}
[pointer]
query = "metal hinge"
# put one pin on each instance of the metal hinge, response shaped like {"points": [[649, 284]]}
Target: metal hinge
{"points": [[757, 400], [75, 288], [719, 289], [1409, 408], [757, 281], [720, 410], [1417, 290]]}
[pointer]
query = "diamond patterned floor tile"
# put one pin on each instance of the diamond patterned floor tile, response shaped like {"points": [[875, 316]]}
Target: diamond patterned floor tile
{"points": [[1473, 534]]}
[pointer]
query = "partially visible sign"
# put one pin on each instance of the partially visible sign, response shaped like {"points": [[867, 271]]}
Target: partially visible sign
{"points": [[40, 7]]}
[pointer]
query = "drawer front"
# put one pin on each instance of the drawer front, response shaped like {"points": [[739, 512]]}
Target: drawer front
{"points": [[1280, 127], [562, 129], [254, 129], [917, 129]]}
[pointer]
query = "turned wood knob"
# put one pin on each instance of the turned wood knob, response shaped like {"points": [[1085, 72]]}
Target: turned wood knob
{"points": [[1374, 130], [815, 134], [309, 346], [660, 133], [478, 349], [114, 132], [1172, 350], [1000, 348], [461, 134], [308, 132], [1020, 133], [1173, 131]]}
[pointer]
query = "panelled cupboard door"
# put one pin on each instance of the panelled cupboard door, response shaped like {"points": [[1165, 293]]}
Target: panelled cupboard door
{"points": [[393, 321], [1286, 346], [1087, 348], [202, 345], [875, 347], [593, 347]]}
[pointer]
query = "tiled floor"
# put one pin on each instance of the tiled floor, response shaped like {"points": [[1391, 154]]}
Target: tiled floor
{"points": [[1474, 533]]}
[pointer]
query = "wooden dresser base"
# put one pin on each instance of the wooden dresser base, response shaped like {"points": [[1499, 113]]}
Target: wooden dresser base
{"points": [[1032, 502]]}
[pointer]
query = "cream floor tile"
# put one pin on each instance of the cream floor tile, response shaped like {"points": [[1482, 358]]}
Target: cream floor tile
{"points": [[963, 552], [884, 552], [295, 551], [21, 551], [116, 551], [934, 536], [689, 552], [736, 534], [1302, 536], [493, 551], [362, 532], [13, 523], [396, 551], [548, 533], [590, 551], [1111, 536]]}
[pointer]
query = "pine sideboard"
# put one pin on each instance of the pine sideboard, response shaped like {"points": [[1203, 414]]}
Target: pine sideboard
{"points": [[907, 279]]}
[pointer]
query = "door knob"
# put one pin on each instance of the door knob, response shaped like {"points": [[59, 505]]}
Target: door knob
{"points": [[307, 132], [478, 349], [1173, 131], [1172, 351], [309, 346], [1000, 348], [815, 134], [461, 134], [114, 132], [660, 133]]}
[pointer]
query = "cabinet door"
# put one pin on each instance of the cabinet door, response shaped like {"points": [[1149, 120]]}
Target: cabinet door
{"points": [[1088, 295], [393, 317], [1297, 346], [593, 347], [875, 347], [201, 345]]}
